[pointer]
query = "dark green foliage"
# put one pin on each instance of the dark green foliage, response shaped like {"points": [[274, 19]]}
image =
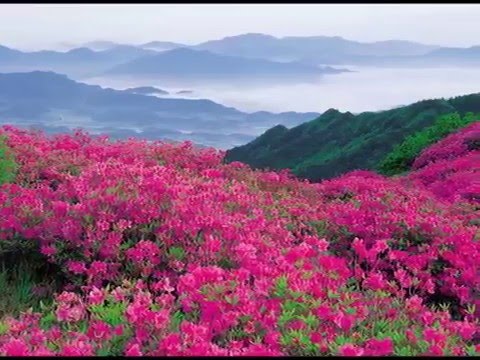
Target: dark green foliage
{"points": [[337, 142], [404, 154], [24, 285], [7, 163]]}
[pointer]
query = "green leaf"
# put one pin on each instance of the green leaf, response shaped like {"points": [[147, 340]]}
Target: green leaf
{"points": [[3, 328], [177, 252], [47, 321], [281, 287], [176, 319]]}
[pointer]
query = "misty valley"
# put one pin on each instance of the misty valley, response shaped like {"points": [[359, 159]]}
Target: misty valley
{"points": [[219, 93]]}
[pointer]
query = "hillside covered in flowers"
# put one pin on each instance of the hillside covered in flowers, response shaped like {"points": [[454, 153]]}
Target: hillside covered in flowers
{"points": [[137, 248]]}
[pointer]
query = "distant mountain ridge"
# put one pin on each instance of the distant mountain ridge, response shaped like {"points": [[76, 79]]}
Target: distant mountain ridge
{"points": [[201, 63], [146, 90], [298, 48], [178, 62], [53, 101], [161, 45], [100, 45], [81, 61], [335, 50], [241, 55]]}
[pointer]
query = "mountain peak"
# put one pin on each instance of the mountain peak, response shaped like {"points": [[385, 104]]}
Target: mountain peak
{"points": [[252, 36], [81, 51], [38, 74], [331, 112]]}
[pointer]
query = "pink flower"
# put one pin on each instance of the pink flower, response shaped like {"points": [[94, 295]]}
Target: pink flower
{"points": [[414, 303], [133, 350], [323, 312], [171, 344], [97, 268], [118, 294], [435, 350], [359, 247], [377, 347], [272, 339], [434, 336], [118, 330], [467, 330], [375, 281], [77, 348], [350, 350], [96, 296], [411, 337], [15, 347], [161, 319], [99, 330], [429, 286], [344, 322], [76, 267], [403, 278], [48, 250], [70, 313], [43, 351]]}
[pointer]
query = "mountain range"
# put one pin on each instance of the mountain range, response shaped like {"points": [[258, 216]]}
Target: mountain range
{"points": [[247, 55], [315, 50], [130, 60], [147, 90], [297, 48], [336, 50], [192, 64], [56, 103], [151, 45], [78, 62]]}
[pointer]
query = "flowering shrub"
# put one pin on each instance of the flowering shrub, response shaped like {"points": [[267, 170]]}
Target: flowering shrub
{"points": [[165, 250], [450, 168], [453, 146], [400, 159]]}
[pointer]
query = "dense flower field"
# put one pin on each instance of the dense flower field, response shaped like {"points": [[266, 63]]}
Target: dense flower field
{"points": [[162, 249]]}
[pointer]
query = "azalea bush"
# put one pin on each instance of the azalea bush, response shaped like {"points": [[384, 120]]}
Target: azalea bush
{"points": [[161, 249], [403, 155], [454, 146]]}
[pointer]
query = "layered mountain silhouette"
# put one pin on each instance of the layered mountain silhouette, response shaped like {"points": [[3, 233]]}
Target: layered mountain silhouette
{"points": [[185, 62], [79, 61], [50, 100], [298, 48], [147, 90], [336, 50], [161, 45], [243, 56]]}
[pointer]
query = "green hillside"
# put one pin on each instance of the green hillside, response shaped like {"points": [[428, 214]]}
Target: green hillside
{"points": [[403, 155], [337, 142]]}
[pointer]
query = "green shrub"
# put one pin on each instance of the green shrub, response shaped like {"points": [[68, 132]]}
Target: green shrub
{"points": [[403, 155], [8, 166], [24, 285]]}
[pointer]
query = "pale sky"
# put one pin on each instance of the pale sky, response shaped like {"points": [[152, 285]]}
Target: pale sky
{"points": [[41, 26]]}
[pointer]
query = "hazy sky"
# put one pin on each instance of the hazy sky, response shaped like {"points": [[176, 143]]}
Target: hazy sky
{"points": [[42, 26]]}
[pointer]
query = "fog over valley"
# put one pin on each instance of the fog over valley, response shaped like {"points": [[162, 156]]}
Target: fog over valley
{"points": [[223, 91]]}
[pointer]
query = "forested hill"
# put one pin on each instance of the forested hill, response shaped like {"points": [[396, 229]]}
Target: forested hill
{"points": [[337, 142]]}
